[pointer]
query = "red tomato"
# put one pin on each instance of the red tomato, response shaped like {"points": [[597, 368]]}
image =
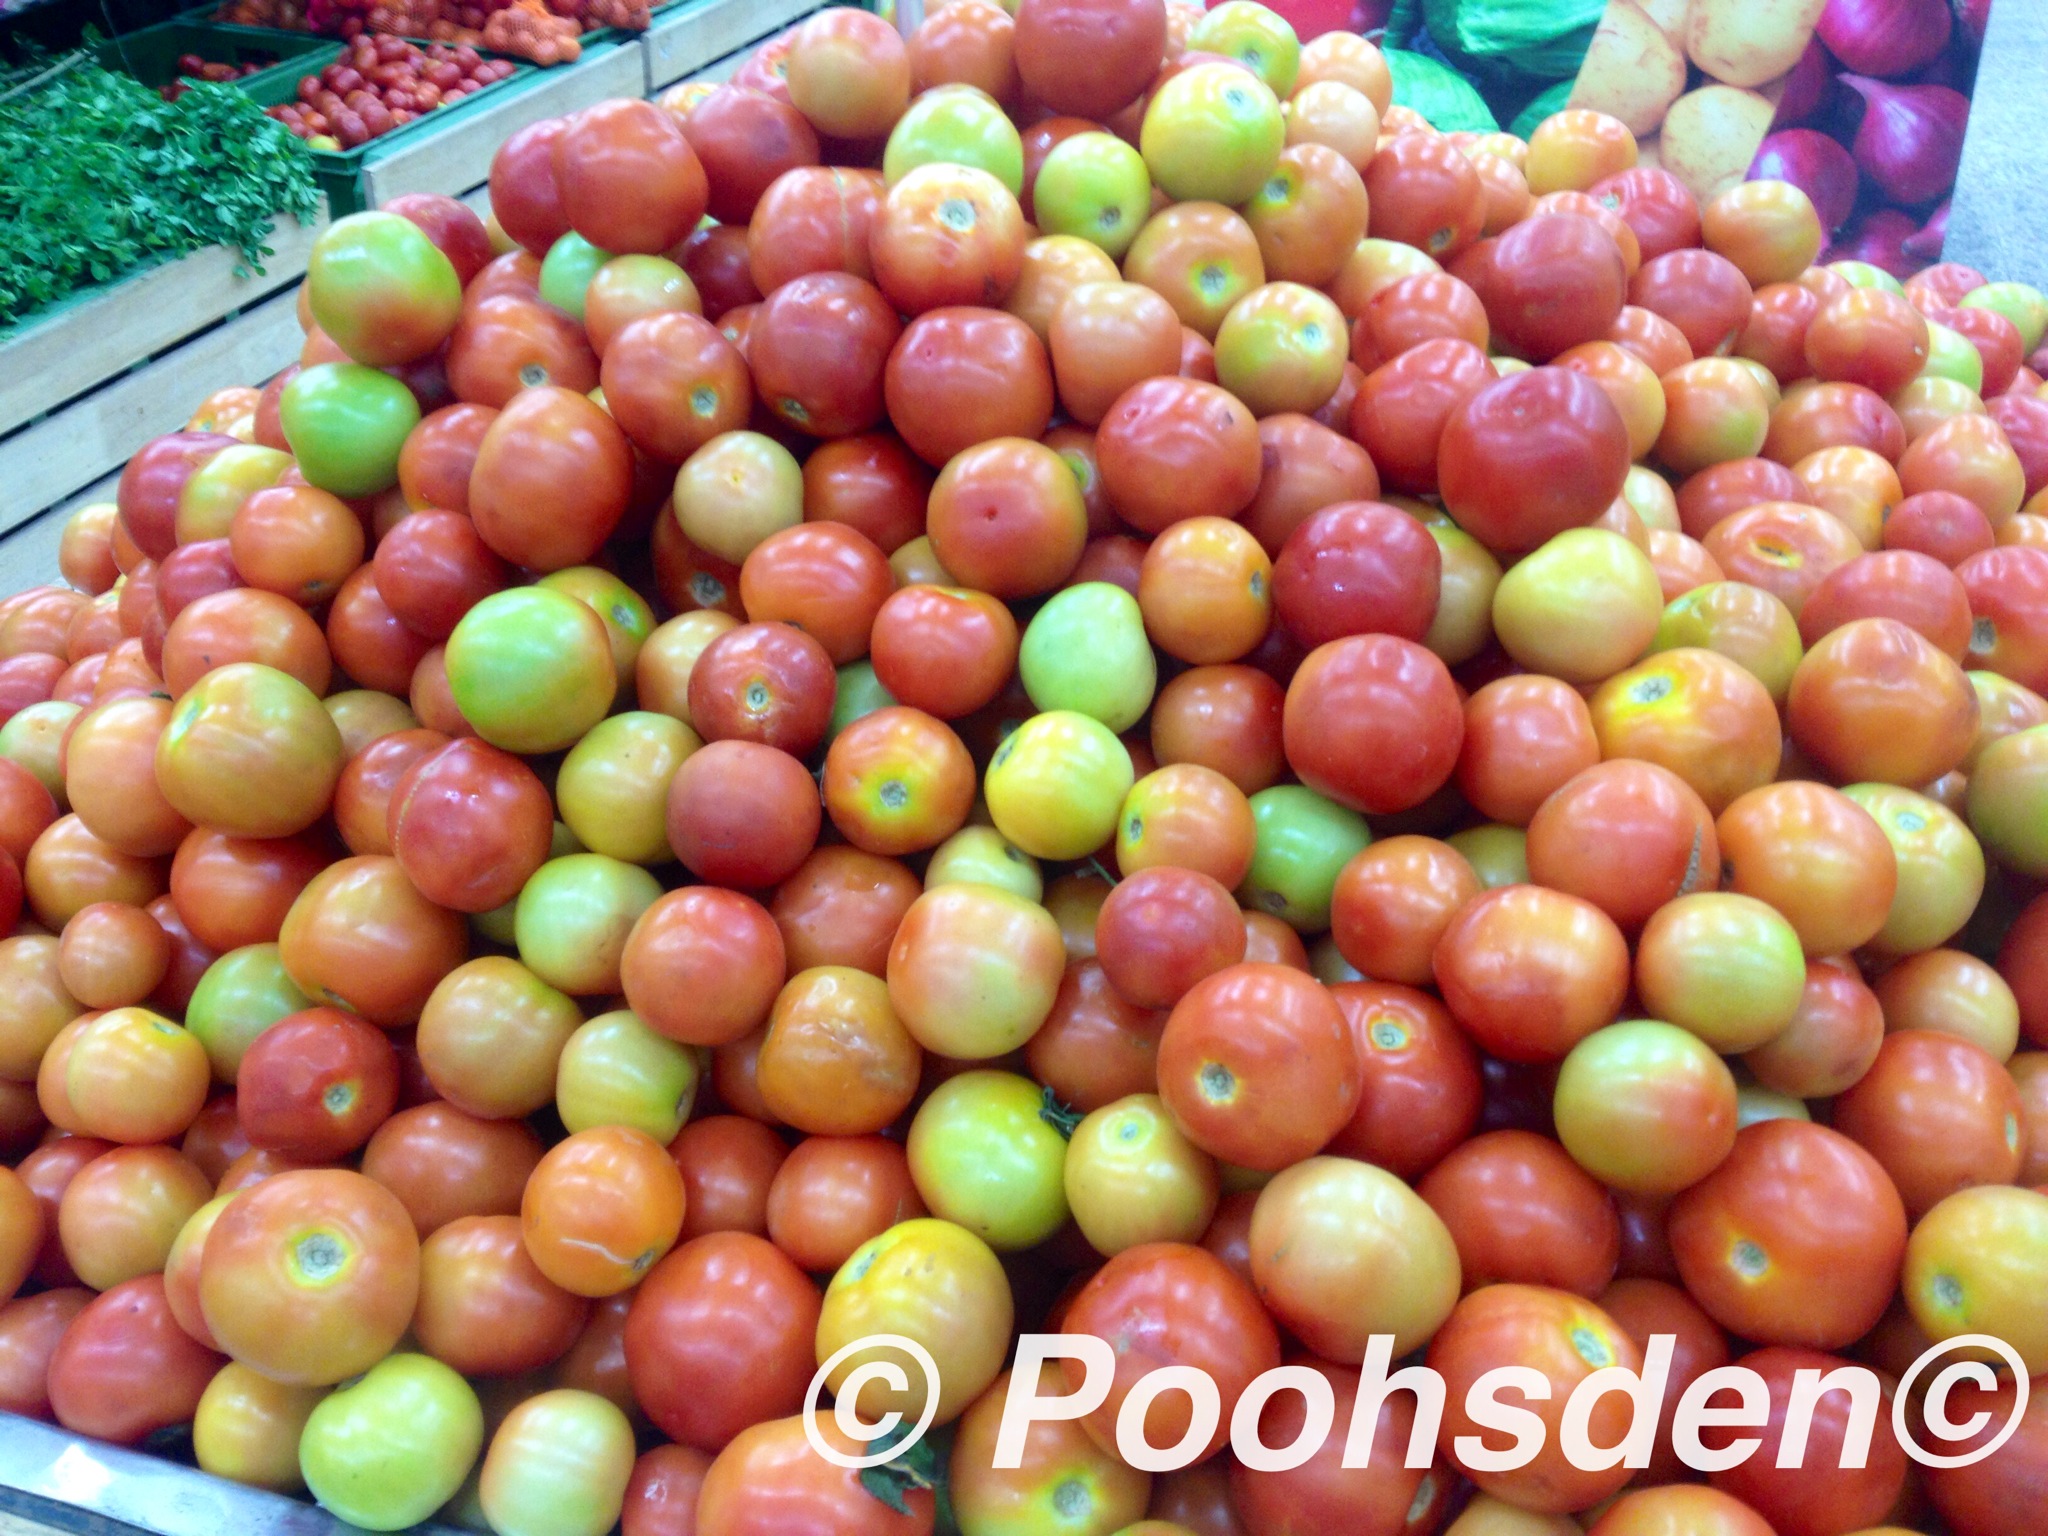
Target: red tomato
{"points": [[485, 1308], [1530, 455], [444, 1164], [1374, 722], [1358, 568], [1424, 192], [553, 476], [672, 381], [310, 1276], [468, 824], [720, 1338], [1521, 1210], [1627, 836], [1796, 1239], [1257, 1066], [1162, 930], [1420, 1085], [1525, 736], [1530, 972], [769, 1480], [1173, 448], [1089, 60], [125, 1369], [1563, 1338], [1820, 1494], [811, 219], [728, 1163], [1168, 1304], [316, 1085], [1324, 1493], [627, 177], [1938, 1113], [743, 814]]}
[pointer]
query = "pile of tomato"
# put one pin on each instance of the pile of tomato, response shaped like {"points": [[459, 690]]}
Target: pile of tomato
{"points": [[1065, 676]]}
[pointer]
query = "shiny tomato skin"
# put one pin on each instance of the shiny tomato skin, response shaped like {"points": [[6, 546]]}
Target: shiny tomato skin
{"points": [[1257, 1065], [1171, 1304], [1520, 1210], [1530, 972], [1007, 518], [1358, 568], [468, 824], [720, 1338], [316, 1085], [959, 376], [769, 1482], [1820, 1494], [1324, 1493], [1089, 60], [1566, 1339], [1424, 193], [1173, 448], [553, 476], [1796, 1239], [627, 177], [818, 348], [1557, 279], [1531, 455], [1939, 1113], [1374, 722], [124, 1368], [1403, 406]]}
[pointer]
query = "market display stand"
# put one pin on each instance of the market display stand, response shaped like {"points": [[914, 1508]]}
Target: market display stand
{"points": [[55, 1484], [85, 385]]}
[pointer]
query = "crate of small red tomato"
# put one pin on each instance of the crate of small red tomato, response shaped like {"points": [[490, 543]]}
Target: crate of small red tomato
{"points": [[378, 85], [193, 70]]}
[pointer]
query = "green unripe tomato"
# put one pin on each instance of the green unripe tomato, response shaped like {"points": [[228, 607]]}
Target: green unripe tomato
{"points": [[388, 1450], [1086, 650], [239, 996], [956, 125], [573, 917], [1093, 186], [1951, 355], [985, 1156], [531, 670], [983, 856], [345, 423], [1304, 842], [381, 289], [617, 1071], [613, 785], [1212, 133], [1645, 1106], [566, 271], [1258, 37], [2021, 303], [856, 694]]}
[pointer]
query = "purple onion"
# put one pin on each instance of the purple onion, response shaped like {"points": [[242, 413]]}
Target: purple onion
{"points": [[1881, 240], [1807, 88], [1886, 38], [1815, 164], [1925, 245], [1911, 137]]}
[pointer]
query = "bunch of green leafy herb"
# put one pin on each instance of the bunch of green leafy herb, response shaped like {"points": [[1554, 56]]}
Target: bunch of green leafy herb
{"points": [[100, 175]]}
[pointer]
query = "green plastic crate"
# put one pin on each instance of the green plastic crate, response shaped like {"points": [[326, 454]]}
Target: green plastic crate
{"points": [[151, 54], [339, 173]]}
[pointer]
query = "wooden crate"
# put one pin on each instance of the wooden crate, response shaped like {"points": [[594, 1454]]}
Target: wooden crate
{"points": [[72, 447], [94, 337]]}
